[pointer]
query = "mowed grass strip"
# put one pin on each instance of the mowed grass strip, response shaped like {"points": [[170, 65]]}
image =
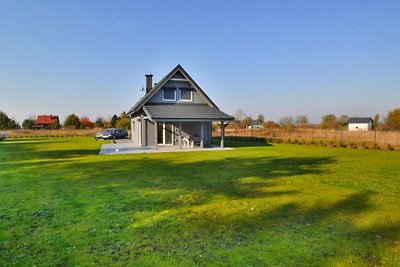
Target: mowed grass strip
{"points": [[63, 204]]}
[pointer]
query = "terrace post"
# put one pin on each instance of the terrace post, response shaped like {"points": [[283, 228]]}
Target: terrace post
{"points": [[180, 135], [222, 134], [155, 135], [202, 135], [142, 133], [132, 122]]}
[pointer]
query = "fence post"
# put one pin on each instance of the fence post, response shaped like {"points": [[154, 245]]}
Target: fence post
{"points": [[313, 135]]}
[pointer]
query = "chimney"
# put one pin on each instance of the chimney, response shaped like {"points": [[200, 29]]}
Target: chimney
{"points": [[149, 82]]}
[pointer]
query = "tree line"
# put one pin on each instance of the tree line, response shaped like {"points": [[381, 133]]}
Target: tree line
{"points": [[72, 121], [328, 121]]}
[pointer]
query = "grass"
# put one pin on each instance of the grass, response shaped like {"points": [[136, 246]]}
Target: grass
{"points": [[62, 204]]}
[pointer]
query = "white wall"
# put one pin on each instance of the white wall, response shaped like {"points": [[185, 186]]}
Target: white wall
{"points": [[360, 126]]}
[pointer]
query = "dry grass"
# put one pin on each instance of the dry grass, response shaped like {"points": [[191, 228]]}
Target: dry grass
{"points": [[370, 139]]}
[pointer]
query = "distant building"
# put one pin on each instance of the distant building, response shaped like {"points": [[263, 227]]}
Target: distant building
{"points": [[255, 124], [46, 122], [360, 124]]}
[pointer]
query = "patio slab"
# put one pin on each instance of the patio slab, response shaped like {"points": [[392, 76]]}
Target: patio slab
{"points": [[128, 147]]}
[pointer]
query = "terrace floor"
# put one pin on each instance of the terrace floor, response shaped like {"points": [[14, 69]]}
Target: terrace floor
{"points": [[128, 147]]}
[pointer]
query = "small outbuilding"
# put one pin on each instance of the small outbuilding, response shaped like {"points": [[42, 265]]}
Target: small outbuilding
{"points": [[255, 124], [360, 124], [46, 122]]}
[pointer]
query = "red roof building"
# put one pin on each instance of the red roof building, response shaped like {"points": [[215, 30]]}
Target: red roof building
{"points": [[47, 121]]}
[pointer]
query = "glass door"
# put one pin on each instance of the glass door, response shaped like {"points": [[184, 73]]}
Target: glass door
{"points": [[168, 133], [165, 133]]}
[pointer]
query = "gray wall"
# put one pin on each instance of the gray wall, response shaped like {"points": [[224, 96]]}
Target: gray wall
{"points": [[150, 136]]}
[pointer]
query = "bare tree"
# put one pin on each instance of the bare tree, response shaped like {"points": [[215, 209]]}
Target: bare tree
{"points": [[239, 115], [302, 120], [260, 118], [286, 121], [343, 120]]}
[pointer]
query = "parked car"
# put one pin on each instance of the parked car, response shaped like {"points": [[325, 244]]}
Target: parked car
{"points": [[3, 135], [112, 133]]}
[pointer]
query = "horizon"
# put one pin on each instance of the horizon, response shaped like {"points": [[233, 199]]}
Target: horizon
{"points": [[271, 58]]}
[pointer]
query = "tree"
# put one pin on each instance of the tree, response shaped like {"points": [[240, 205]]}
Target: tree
{"points": [[260, 118], [392, 121], [29, 122], [87, 123], [302, 120], [239, 115], [123, 121], [6, 123], [329, 121], [72, 122], [246, 122], [286, 122], [114, 120], [56, 125], [343, 120], [375, 122], [99, 122], [270, 125]]}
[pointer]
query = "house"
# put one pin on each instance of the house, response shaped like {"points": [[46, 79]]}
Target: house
{"points": [[360, 124], [255, 124], [46, 122], [175, 111]]}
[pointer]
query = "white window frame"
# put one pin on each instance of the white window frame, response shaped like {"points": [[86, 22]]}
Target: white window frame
{"points": [[171, 100], [185, 100]]}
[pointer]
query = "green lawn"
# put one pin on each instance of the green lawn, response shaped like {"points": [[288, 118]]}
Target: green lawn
{"points": [[62, 204]]}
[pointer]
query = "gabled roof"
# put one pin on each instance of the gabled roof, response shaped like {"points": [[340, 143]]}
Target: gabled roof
{"points": [[255, 122], [160, 84], [185, 112], [47, 119], [360, 120]]}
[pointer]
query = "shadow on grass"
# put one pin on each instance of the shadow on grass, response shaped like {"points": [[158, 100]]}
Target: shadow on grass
{"points": [[236, 143], [16, 151], [177, 197]]}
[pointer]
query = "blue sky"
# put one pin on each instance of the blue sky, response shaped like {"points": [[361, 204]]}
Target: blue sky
{"points": [[278, 58]]}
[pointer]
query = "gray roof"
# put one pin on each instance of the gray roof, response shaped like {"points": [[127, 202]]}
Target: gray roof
{"points": [[185, 112], [154, 90], [255, 122], [360, 120]]}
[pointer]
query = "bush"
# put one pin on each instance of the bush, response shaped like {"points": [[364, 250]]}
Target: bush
{"points": [[390, 147]]}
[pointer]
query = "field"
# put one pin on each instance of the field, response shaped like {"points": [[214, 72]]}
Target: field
{"points": [[289, 205], [370, 139]]}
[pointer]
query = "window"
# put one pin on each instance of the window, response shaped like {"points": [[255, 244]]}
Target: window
{"points": [[186, 94], [169, 94]]}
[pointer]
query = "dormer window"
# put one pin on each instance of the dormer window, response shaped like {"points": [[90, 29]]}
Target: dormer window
{"points": [[185, 94], [169, 94]]}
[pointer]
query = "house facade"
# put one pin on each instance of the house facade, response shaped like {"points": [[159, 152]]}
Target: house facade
{"points": [[175, 111], [360, 124], [46, 122]]}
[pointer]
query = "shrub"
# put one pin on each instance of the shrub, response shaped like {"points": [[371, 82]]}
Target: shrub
{"points": [[390, 147]]}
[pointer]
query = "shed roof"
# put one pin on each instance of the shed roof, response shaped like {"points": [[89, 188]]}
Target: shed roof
{"points": [[185, 112], [47, 119], [360, 120], [255, 122]]}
